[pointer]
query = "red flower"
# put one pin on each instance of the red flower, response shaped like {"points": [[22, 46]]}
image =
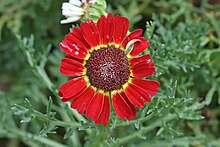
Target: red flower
{"points": [[103, 68]]}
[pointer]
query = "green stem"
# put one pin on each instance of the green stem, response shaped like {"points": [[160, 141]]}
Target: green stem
{"points": [[135, 121], [66, 124], [56, 122], [64, 115], [45, 78], [77, 115], [24, 135], [43, 75], [80, 118], [145, 130]]}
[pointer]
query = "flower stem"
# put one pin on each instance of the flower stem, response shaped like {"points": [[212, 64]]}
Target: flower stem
{"points": [[135, 121], [56, 122], [24, 135], [145, 130]]}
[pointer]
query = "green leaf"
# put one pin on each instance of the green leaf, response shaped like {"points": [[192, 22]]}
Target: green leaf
{"points": [[48, 129], [210, 94], [69, 133], [23, 112], [150, 26]]}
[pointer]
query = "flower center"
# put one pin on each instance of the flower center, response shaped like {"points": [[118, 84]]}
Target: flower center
{"points": [[108, 68]]}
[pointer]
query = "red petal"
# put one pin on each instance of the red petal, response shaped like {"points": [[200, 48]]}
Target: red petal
{"points": [[130, 104], [72, 87], [81, 102], [78, 44], [95, 106], [67, 99], [106, 29], [121, 29], [77, 32], [75, 96], [135, 34], [142, 93], [123, 107], [60, 94], [142, 66], [136, 95], [104, 116], [150, 86], [139, 46], [144, 58], [73, 49], [110, 17], [71, 67], [90, 33], [143, 71], [74, 58]]}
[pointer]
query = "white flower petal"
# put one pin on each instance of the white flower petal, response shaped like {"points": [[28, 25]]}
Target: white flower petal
{"points": [[70, 19], [76, 2], [92, 1], [63, 21], [72, 13], [73, 9], [68, 6], [84, 1]]}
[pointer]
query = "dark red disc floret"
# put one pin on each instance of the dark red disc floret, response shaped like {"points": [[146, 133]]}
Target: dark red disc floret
{"points": [[108, 68]]}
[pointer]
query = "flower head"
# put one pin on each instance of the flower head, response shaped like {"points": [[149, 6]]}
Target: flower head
{"points": [[80, 9], [103, 69]]}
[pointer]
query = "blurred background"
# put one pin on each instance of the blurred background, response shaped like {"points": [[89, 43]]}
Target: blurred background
{"points": [[185, 46]]}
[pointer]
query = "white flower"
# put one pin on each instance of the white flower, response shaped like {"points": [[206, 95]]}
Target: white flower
{"points": [[75, 9]]}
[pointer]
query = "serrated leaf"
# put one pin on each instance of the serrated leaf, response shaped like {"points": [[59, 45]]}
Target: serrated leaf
{"points": [[114, 140], [85, 126], [143, 137], [137, 125], [19, 110], [160, 131], [26, 119], [191, 116], [69, 133], [28, 104], [49, 107], [210, 94], [150, 26], [47, 129]]}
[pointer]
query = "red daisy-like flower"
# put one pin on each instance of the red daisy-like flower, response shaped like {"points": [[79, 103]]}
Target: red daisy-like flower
{"points": [[105, 64]]}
